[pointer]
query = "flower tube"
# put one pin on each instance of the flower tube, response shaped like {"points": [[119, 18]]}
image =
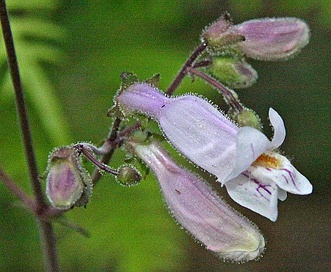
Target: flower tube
{"points": [[242, 158], [200, 210], [198, 130]]}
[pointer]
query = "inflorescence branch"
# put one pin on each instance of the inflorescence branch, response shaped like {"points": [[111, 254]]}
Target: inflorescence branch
{"points": [[183, 71]]}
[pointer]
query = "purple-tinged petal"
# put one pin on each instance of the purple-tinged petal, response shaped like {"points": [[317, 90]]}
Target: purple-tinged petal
{"points": [[143, 98], [200, 210], [254, 194], [251, 144], [272, 39], [279, 129], [285, 176], [201, 133], [192, 125]]}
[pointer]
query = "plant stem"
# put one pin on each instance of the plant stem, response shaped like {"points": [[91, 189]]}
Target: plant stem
{"points": [[114, 139], [91, 158], [182, 73], [107, 145], [20, 104], [226, 92], [45, 228], [18, 192], [48, 241]]}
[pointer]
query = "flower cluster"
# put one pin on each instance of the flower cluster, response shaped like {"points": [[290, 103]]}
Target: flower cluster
{"points": [[231, 147], [242, 158]]}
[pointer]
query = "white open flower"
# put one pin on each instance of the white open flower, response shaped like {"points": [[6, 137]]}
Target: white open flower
{"points": [[269, 177]]}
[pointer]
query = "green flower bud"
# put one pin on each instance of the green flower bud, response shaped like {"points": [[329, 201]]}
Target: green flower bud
{"points": [[218, 34], [67, 183], [248, 118], [128, 175], [233, 72]]}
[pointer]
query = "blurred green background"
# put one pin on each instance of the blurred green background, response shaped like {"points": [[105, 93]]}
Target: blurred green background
{"points": [[91, 43]]}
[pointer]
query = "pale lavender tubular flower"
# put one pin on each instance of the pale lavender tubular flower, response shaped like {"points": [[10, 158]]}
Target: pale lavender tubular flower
{"points": [[272, 38], [242, 158], [200, 210], [264, 39]]}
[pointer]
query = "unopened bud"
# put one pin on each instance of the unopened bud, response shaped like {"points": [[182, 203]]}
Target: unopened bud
{"points": [[233, 72], [67, 184], [263, 39], [272, 38], [128, 175], [248, 118]]}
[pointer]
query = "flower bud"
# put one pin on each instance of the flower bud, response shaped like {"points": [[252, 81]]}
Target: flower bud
{"points": [[263, 39], [248, 118], [67, 183], [200, 210], [233, 72], [272, 38], [128, 175]]}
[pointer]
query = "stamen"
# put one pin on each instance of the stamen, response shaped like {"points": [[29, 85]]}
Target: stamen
{"points": [[268, 161]]}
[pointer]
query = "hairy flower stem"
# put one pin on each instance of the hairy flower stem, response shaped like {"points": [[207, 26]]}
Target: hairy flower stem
{"points": [[96, 176], [114, 139], [183, 71], [227, 94], [202, 63], [45, 228], [92, 159]]}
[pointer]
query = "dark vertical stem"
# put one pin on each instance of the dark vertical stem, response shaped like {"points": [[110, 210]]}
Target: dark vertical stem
{"points": [[20, 104], [182, 73], [45, 228], [48, 241]]}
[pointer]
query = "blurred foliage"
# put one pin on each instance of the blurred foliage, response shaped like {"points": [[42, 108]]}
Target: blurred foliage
{"points": [[37, 41], [130, 228]]}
